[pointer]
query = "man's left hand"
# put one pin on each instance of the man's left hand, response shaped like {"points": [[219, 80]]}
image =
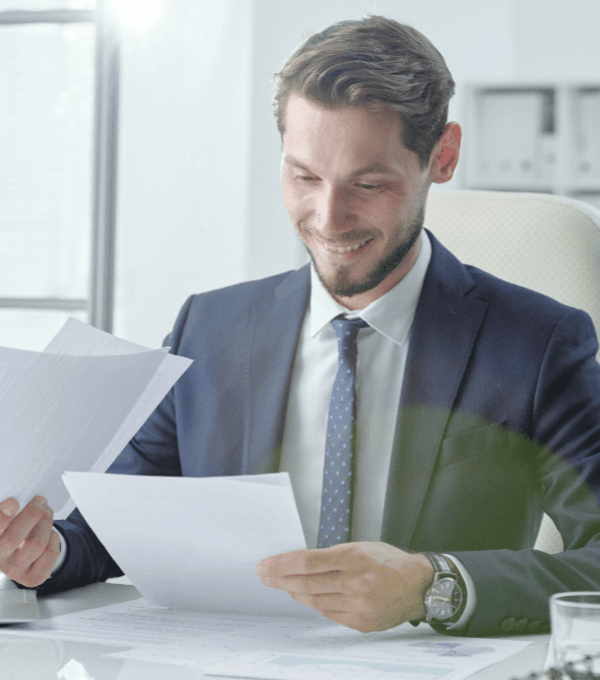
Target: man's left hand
{"points": [[366, 586]]}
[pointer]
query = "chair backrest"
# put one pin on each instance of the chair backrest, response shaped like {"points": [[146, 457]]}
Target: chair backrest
{"points": [[548, 243]]}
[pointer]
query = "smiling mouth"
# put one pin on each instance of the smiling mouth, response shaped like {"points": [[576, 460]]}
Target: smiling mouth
{"points": [[345, 249]]}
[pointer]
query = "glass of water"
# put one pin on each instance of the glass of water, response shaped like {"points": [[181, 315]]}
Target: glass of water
{"points": [[575, 619]]}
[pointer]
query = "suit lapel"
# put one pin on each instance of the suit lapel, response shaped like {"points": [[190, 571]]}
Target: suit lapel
{"points": [[271, 347], [443, 334]]}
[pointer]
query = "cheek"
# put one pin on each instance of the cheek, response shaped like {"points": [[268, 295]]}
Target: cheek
{"points": [[297, 203], [385, 213], [289, 191]]}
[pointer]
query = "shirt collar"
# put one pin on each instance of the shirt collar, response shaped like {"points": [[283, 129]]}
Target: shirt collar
{"points": [[391, 314]]}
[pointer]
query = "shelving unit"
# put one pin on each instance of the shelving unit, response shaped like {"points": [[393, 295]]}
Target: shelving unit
{"points": [[542, 137]]}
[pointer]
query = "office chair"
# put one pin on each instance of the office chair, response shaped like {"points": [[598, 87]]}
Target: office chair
{"points": [[548, 243]]}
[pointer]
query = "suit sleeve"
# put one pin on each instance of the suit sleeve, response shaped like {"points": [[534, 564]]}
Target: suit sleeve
{"points": [[153, 451], [513, 587]]}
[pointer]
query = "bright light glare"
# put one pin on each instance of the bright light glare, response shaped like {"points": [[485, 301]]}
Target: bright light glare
{"points": [[136, 14]]}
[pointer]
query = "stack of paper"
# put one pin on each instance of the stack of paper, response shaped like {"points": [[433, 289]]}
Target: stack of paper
{"points": [[74, 406]]}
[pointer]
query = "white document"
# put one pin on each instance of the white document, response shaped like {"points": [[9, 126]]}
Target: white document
{"points": [[296, 650], [412, 659], [194, 543], [12, 364], [74, 407], [258, 646], [143, 670], [135, 624]]}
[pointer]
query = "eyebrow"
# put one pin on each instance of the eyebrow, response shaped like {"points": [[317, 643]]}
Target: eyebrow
{"points": [[291, 160], [374, 168]]}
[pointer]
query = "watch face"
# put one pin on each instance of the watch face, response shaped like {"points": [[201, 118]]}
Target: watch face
{"points": [[444, 599]]}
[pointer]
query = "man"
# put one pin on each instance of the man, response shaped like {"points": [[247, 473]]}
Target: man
{"points": [[498, 387]]}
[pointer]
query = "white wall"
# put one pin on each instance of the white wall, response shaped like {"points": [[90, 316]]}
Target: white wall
{"points": [[557, 40], [183, 161]]}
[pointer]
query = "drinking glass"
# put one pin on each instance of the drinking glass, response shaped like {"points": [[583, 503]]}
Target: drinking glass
{"points": [[575, 619]]}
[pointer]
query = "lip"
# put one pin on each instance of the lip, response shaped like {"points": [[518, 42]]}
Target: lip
{"points": [[346, 249]]}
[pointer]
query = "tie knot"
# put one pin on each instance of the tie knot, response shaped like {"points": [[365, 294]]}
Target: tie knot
{"points": [[346, 328]]}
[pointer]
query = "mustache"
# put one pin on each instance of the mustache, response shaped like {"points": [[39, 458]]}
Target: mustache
{"points": [[347, 238]]}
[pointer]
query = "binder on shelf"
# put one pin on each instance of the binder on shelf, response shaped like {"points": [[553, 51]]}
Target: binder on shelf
{"points": [[548, 156], [534, 137], [516, 137], [586, 112]]}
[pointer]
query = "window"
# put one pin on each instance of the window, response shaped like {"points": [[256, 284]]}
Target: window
{"points": [[54, 152]]}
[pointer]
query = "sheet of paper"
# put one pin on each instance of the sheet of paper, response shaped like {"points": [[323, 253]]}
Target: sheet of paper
{"points": [[74, 406], [258, 650], [75, 339], [411, 660], [197, 540], [78, 339], [143, 670], [136, 624], [12, 364], [270, 646]]}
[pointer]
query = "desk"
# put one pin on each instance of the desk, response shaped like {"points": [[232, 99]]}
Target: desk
{"points": [[24, 658]]}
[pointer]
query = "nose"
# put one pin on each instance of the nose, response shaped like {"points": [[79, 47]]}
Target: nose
{"points": [[332, 215]]}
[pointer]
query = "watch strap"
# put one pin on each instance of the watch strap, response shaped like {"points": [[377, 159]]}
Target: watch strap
{"points": [[440, 564]]}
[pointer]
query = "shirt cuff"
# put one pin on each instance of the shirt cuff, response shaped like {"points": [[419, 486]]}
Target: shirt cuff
{"points": [[471, 595], [63, 552]]}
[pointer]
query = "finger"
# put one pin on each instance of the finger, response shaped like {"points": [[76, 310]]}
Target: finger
{"points": [[42, 568], [34, 544], [309, 584], [364, 624], [18, 530], [303, 562], [327, 602], [8, 510]]}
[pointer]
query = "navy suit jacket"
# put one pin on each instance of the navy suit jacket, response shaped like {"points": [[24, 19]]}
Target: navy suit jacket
{"points": [[499, 420]]}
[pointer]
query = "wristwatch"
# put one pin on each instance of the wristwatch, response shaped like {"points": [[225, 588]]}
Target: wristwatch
{"points": [[445, 596]]}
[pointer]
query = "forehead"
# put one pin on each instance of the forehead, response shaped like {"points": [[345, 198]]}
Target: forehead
{"points": [[344, 137]]}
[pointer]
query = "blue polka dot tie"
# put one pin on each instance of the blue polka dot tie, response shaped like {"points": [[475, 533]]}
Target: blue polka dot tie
{"points": [[336, 501]]}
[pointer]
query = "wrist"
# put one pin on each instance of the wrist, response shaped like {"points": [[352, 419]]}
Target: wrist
{"points": [[60, 560], [427, 574], [463, 587]]}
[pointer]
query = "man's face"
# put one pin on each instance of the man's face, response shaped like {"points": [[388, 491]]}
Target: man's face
{"points": [[356, 197]]}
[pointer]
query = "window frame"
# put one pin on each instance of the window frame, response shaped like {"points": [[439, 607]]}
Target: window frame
{"points": [[100, 301]]}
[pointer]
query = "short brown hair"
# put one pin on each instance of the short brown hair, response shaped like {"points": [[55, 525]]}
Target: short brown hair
{"points": [[374, 63]]}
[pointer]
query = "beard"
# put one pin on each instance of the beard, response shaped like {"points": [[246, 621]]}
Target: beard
{"points": [[341, 283]]}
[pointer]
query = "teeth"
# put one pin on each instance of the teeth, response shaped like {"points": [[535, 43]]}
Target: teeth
{"points": [[349, 249]]}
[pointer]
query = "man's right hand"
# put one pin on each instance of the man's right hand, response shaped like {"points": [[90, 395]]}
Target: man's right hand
{"points": [[29, 546]]}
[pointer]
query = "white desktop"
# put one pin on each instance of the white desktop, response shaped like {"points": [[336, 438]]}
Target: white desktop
{"points": [[30, 658]]}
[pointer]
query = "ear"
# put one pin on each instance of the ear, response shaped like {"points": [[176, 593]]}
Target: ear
{"points": [[445, 154]]}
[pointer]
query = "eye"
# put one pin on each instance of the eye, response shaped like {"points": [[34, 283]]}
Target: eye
{"points": [[370, 187], [306, 178]]}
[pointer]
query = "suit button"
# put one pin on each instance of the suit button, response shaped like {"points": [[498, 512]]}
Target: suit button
{"points": [[545, 628], [508, 625], [521, 624], [533, 626]]}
